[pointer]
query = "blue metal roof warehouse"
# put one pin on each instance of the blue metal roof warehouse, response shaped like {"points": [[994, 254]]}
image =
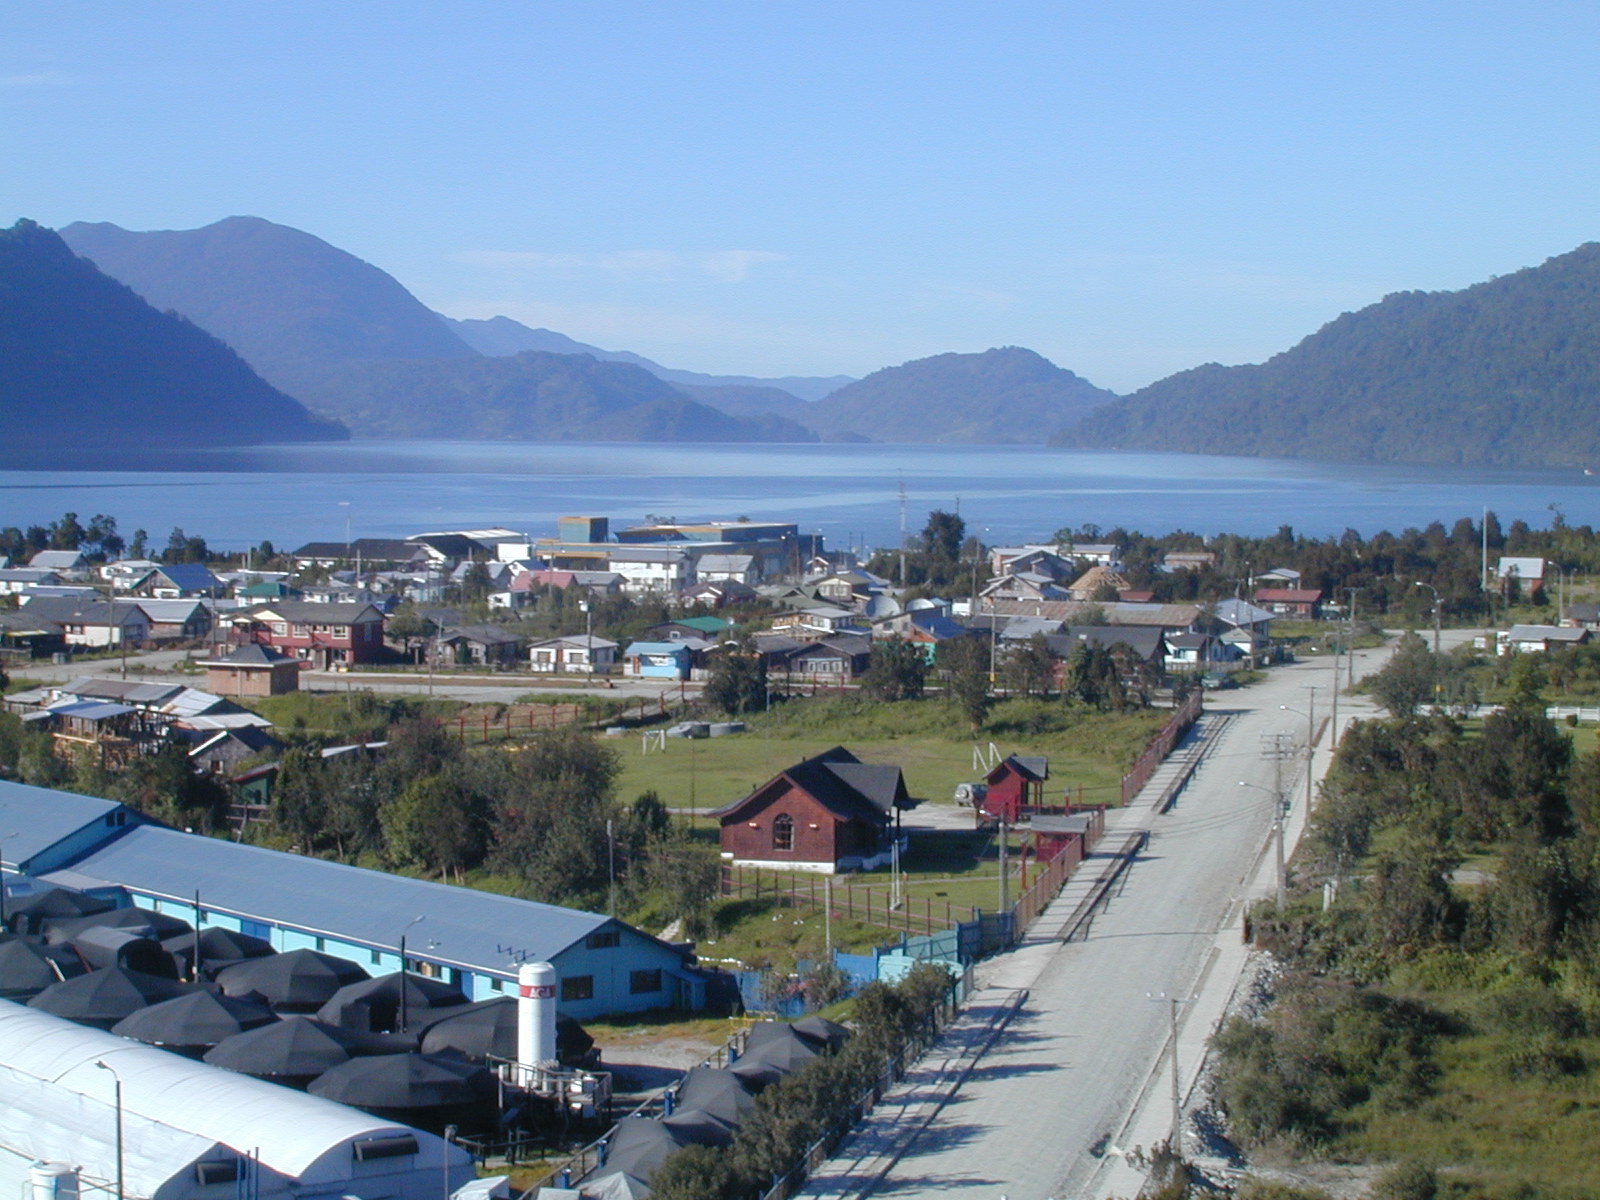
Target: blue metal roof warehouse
{"points": [[476, 939]]}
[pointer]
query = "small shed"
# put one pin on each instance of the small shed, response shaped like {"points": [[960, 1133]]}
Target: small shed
{"points": [[1015, 784], [1072, 834], [658, 660], [252, 669]]}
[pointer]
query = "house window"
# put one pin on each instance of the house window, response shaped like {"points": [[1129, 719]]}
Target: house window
{"points": [[577, 987], [280, 628], [603, 940], [783, 832], [341, 631], [644, 983], [497, 985]]}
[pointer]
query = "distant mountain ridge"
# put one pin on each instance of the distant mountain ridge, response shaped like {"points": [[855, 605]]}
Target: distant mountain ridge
{"points": [[502, 335], [532, 396], [1502, 373], [275, 294], [85, 363], [1007, 394]]}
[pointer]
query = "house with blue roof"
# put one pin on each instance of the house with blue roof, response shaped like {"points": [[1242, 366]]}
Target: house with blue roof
{"points": [[179, 581], [473, 939], [658, 660]]}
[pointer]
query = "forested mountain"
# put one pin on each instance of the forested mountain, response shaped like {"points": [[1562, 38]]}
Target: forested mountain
{"points": [[1504, 373], [502, 335], [85, 363], [1004, 395], [532, 396], [280, 297]]}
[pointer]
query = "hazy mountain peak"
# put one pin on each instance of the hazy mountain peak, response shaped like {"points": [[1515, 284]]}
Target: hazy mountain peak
{"points": [[276, 294], [1006, 394], [84, 362]]}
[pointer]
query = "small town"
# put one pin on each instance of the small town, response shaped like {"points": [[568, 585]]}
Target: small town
{"points": [[270, 774], [799, 601]]}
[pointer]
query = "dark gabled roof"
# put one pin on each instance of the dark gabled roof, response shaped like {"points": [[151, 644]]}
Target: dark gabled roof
{"points": [[1035, 768], [1583, 612], [251, 654], [309, 612], [369, 549], [486, 635], [1143, 640], [847, 787], [66, 611], [21, 621], [842, 645], [188, 577], [938, 626], [451, 545]]}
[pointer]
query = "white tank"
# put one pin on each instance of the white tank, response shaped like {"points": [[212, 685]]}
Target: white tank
{"points": [[52, 1181], [537, 988]]}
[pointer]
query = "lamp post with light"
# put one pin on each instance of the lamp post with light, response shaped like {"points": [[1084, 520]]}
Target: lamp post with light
{"points": [[1435, 592], [122, 1190], [1311, 732]]}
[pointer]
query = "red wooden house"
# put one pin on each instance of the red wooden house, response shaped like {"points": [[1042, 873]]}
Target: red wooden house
{"points": [[829, 813], [1014, 784], [1305, 603]]}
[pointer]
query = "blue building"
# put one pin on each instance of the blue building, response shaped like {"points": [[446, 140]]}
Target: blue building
{"points": [[474, 939], [659, 660]]}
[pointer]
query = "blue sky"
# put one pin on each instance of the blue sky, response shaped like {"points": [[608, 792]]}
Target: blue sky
{"points": [[811, 188]]}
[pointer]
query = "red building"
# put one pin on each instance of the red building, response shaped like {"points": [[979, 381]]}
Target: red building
{"points": [[1305, 603], [1014, 785], [1073, 835], [829, 813], [321, 634]]}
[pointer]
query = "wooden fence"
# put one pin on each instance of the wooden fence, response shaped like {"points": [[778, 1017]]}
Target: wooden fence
{"points": [[535, 718], [1160, 746], [869, 905]]}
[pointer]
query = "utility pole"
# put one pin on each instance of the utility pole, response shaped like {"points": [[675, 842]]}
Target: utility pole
{"points": [[1311, 735], [1435, 592], [902, 532], [611, 870], [827, 915], [1005, 890], [1350, 680], [1333, 724], [1176, 1144]]}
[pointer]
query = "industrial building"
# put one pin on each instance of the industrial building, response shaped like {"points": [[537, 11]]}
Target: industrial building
{"points": [[90, 1112], [475, 940]]}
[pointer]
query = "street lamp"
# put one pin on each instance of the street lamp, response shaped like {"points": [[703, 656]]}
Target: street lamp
{"points": [[403, 932], [122, 1191], [1176, 1144], [1311, 733], [587, 608], [1435, 592], [1277, 826]]}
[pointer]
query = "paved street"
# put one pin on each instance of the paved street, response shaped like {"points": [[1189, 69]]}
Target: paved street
{"points": [[158, 667], [1048, 1109]]}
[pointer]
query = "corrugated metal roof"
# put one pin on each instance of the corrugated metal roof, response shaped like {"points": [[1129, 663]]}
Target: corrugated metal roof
{"points": [[34, 819], [467, 928]]}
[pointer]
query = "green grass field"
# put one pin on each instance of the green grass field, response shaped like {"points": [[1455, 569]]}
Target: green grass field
{"points": [[1088, 752]]}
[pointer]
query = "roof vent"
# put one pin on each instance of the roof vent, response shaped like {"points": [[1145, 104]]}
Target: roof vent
{"points": [[384, 1147]]}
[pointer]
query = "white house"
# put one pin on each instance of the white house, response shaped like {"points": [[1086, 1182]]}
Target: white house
{"points": [[581, 654], [652, 568]]}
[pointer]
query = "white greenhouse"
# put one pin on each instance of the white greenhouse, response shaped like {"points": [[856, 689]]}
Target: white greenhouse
{"points": [[188, 1129]]}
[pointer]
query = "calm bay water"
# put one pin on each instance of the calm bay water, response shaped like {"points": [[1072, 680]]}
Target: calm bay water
{"points": [[294, 494]]}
